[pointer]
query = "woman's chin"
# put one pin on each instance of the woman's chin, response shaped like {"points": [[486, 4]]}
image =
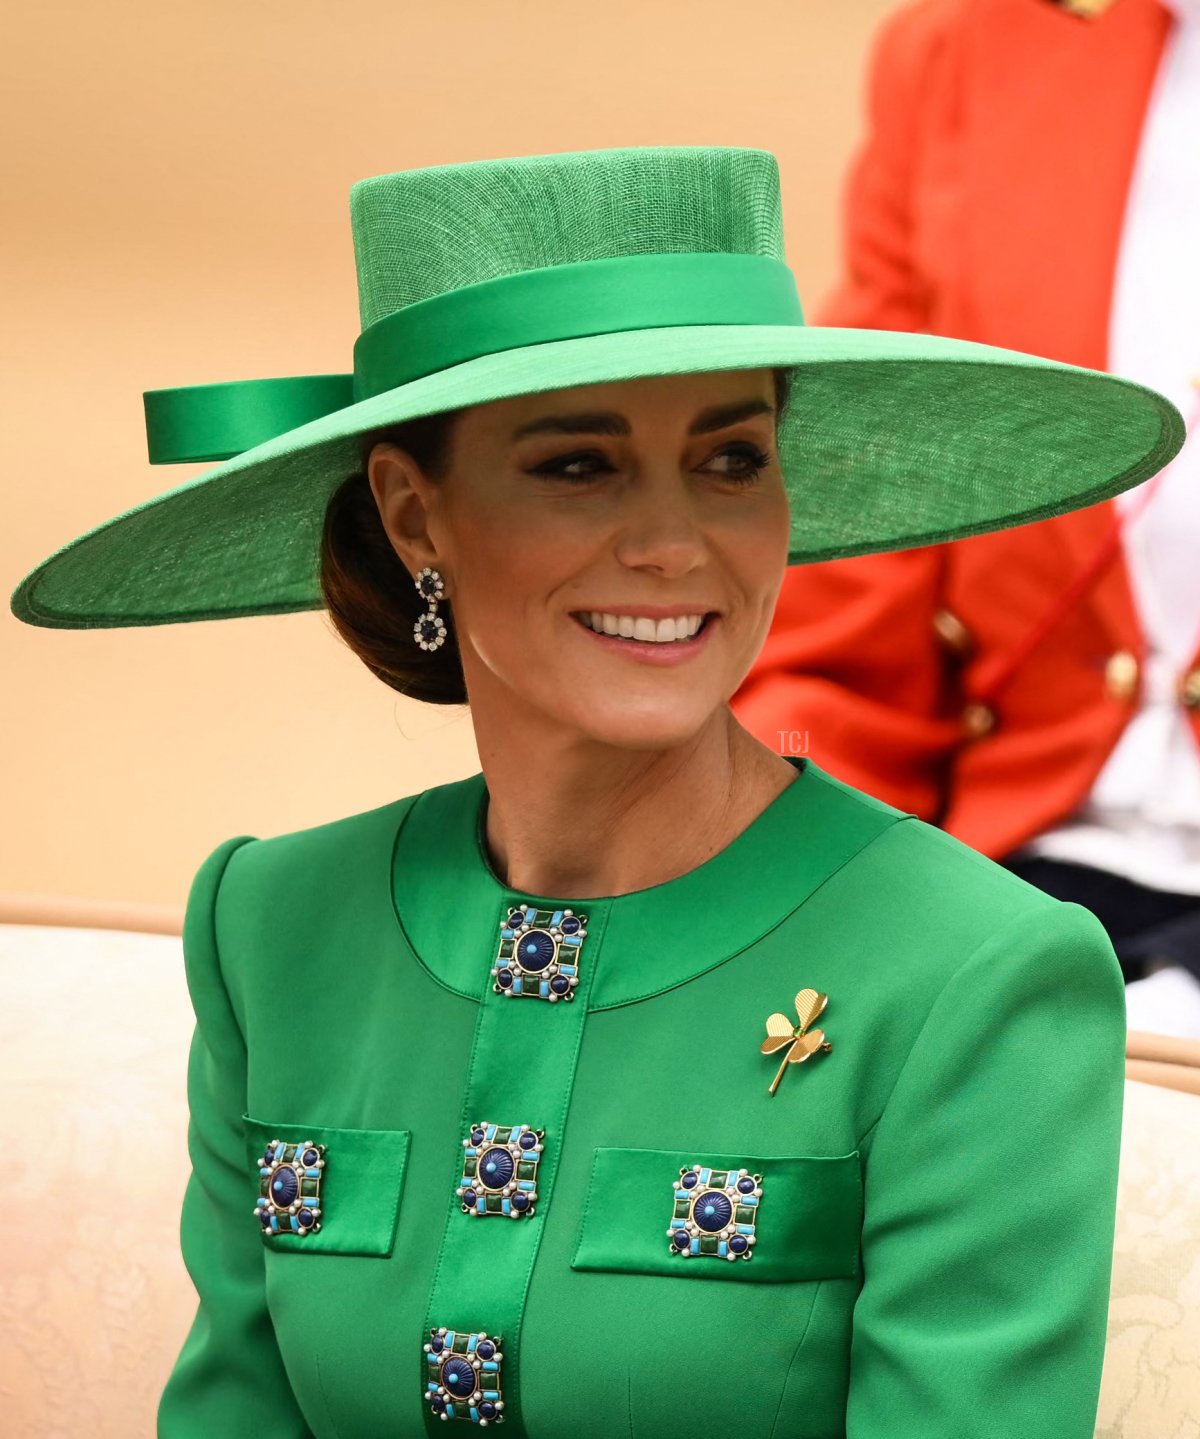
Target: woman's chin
{"points": [[649, 728]]}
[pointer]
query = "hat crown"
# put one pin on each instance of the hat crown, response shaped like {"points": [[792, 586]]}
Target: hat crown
{"points": [[421, 233]]}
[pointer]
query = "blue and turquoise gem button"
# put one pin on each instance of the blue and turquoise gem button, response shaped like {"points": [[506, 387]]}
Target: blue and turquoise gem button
{"points": [[495, 1167], [289, 1188], [284, 1186], [463, 1375], [539, 952], [500, 1166], [712, 1211], [715, 1213]]}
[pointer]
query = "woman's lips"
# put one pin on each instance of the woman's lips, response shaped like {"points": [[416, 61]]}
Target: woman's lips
{"points": [[653, 652]]}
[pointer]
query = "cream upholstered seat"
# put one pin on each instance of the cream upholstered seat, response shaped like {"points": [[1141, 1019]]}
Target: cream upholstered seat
{"points": [[1151, 1383], [94, 1299]]}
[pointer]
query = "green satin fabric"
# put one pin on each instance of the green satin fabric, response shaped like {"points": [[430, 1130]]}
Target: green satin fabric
{"points": [[810, 1216], [521, 1069], [460, 902], [974, 1087], [562, 302], [196, 423], [361, 1187], [530, 307]]}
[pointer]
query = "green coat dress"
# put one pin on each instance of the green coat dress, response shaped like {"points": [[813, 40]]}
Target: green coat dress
{"points": [[591, 1209]]}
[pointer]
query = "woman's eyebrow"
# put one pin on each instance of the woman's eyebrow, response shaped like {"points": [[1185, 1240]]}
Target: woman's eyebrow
{"points": [[609, 422]]}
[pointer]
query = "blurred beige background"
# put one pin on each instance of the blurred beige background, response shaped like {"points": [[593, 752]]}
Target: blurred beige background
{"points": [[175, 211]]}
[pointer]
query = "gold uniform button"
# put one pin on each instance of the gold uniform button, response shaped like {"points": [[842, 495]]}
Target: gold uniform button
{"points": [[978, 719], [1121, 675], [1087, 9], [1189, 690], [952, 632]]}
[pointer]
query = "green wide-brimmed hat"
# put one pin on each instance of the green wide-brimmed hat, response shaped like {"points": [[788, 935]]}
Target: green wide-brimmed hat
{"points": [[498, 278]]}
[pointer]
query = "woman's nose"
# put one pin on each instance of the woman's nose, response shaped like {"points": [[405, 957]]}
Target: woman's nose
{"points": [[660, 529]]}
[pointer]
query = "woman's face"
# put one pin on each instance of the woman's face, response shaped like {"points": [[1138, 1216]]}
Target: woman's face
{"points": [[612, 552]]}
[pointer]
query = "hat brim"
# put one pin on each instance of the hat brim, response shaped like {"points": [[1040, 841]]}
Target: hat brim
{"points": [[890, 441]]}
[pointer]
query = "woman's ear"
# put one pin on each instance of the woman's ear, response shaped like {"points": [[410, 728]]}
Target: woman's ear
{"points": [[404, 496]]}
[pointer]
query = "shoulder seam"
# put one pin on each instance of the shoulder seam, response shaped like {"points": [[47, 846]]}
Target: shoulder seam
{"points": [[974, 856], [861, 797]]}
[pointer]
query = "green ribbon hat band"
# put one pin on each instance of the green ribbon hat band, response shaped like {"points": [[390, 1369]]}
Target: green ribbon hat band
{"points": [[216, 422], [529, 307]]}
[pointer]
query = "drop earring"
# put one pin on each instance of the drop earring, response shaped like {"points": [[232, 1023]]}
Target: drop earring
{"points": [[430, 630]]}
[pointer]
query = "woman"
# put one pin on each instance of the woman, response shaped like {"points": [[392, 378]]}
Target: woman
{"points": [[495, 1110]]}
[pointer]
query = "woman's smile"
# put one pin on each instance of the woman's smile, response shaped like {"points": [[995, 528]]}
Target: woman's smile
{"points": [[652, 634]]}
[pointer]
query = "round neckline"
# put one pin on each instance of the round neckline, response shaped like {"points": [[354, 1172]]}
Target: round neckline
{"points": [[547, 901], [449, 904]]}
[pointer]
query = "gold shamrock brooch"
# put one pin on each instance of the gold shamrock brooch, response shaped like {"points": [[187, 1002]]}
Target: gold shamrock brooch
{"points": [[802, 1043]]}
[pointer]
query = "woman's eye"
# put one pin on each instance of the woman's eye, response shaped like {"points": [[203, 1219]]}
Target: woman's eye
{"points": [[564, 464], [752, 461], [749, 461]]}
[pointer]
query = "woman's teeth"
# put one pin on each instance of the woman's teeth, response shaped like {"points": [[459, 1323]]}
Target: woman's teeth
{"points": [[637, 627]]}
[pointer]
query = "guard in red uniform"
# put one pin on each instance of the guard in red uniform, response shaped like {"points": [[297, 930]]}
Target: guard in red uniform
{"points": [[1030, 178]]}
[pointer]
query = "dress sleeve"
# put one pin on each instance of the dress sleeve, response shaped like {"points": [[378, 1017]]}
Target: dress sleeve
{"points": [[990, 1189], [229, 1377], [881, 285]]}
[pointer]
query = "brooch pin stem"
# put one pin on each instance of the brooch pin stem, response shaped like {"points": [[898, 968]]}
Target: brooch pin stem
{"points": [[779, 1076]]}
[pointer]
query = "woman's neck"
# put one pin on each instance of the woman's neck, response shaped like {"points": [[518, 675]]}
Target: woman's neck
{"points": [[580, 819]]}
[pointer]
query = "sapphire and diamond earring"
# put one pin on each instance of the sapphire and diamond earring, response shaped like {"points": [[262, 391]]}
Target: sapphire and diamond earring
{"points": [[289, 1188], [463, 1376], [500, 1170], [539, 952], [715, 1213], [430, 630]]}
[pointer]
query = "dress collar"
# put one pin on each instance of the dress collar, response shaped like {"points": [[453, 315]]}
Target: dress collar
{"points": [[449, 903]]}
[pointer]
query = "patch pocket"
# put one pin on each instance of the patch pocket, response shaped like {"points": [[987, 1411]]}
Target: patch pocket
{"points": [[805, 1219], [350, 1184]]}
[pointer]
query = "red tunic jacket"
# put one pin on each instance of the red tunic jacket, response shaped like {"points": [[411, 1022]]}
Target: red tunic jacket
{"points": [[986, 204]]}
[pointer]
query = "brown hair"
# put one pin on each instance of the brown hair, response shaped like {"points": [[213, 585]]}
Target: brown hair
{"points": [[369, 592]]}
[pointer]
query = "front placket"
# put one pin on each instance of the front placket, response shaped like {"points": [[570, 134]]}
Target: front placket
{"points": [[520, 1077]]}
